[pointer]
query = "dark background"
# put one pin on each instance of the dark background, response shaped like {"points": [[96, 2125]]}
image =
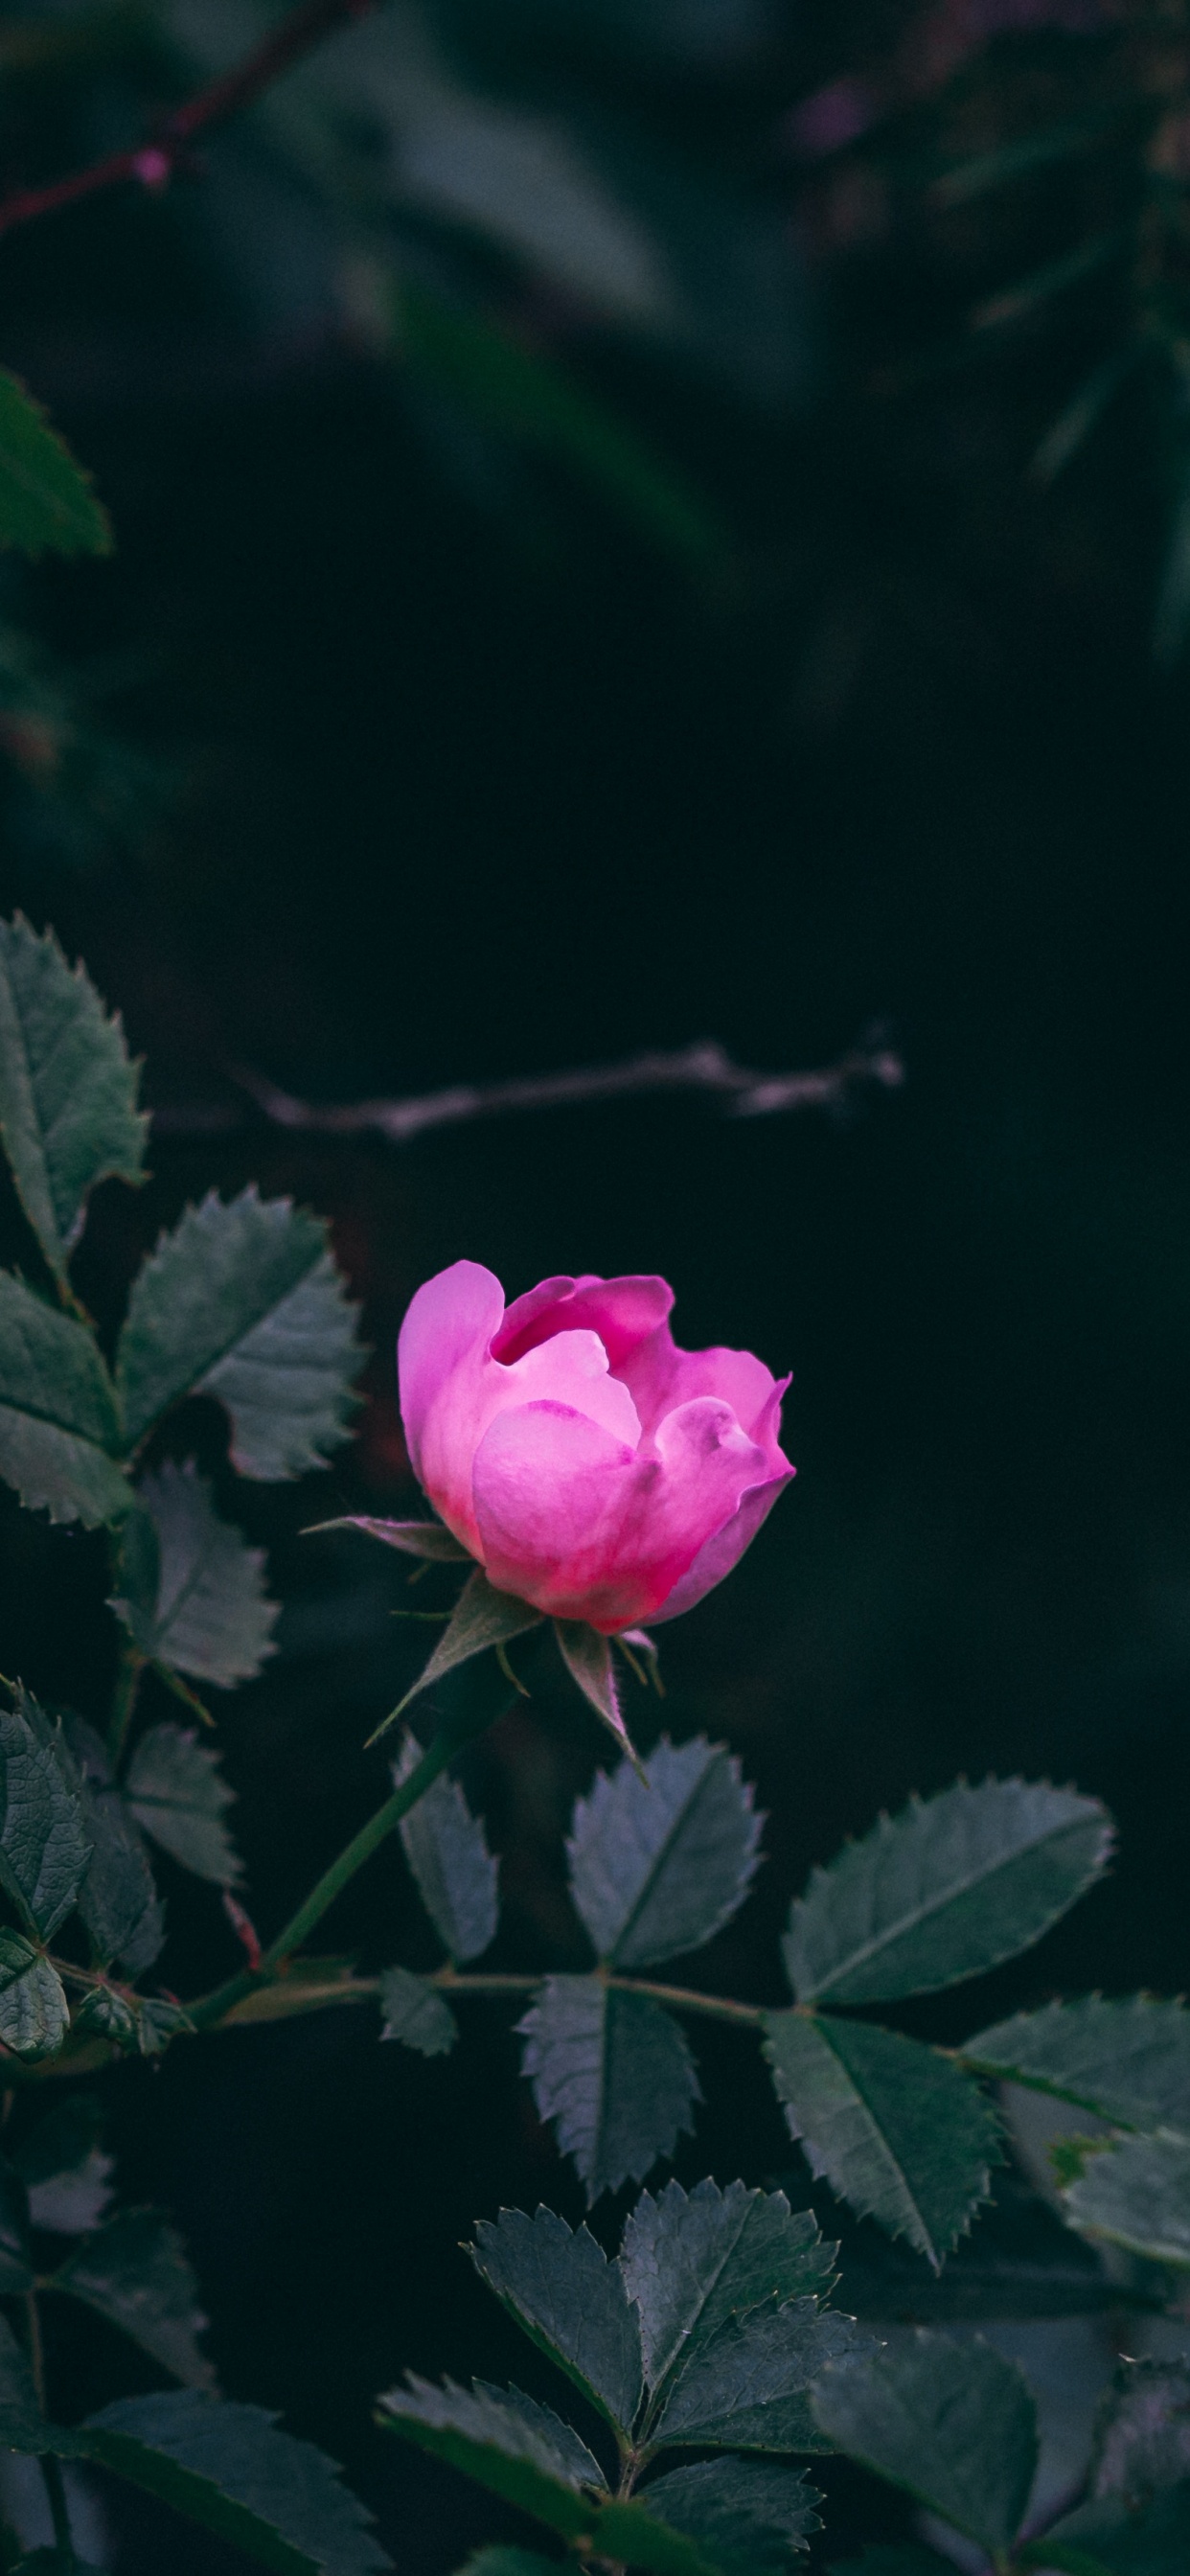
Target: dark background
{"points": [[391, 751]]}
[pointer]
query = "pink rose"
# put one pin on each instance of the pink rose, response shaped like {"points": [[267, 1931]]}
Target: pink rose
{"points": [[593, 1468]]}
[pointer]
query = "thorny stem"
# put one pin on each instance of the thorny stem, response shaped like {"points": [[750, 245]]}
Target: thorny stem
{"points": [[132, 1665]]}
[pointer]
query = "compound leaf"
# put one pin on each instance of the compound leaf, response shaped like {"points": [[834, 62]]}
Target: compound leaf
{"points": [[45, 1849], [68, 1114], [46, 500], [895, 2128], [192, 1592], [1128, 2061], [691, 2261], [953, 2423], [614, 2071], [136, 2272], [481, 1617], [416, 2013], [948, 1888], [488, 2435], [243, 1302], [1137, 2195], [745, 2516], [570, 2299], [656, 1867], [177, 1793], [747, 2388], [34, 2017], [446, 1848], [58, 1419], [228, 2468]]}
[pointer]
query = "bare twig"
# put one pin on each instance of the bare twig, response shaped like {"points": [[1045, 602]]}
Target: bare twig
{"points": [[705, 1066], [154, 161]]}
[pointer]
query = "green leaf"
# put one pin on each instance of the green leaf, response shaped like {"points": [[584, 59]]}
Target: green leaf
{"points": [[1129, 2061], [614, 2071], [414, 1538], [68, 1114], [136, 2272], [192, 1592], [58, 1419], [159, 2021], [446, 1848], [22, 2424], [692, 2261], [228, 2468], [747, 2388], [584, 2467], [416, 2013], [570, 2299], [45, 1849], [894, 2127], [1143, 2436], [657, 1867], [589, 1661], [747, 2517], [1137, 2195], [16, 2268], [943, 1891], [117, 1900], [104, 2014], [487, 2435], [481, 1617], [1109, 2538], [243, 1302], [1019, 2261], [34, 2017], [500, 2559], [62, 2165], [952, 2423], [46, 500], [177, 1793]]}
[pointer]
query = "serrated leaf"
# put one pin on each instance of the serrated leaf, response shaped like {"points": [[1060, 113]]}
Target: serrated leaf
{"points": [[229, 2468], [589, 1661], [570, 2299], [1019, 2261], [894, 2127], [192, 1593], [104, 2014], [615, 2073], [656, 1868], [1108, 2538], [1137, 2195], [447, 1851], [481, 1617], [68, 1114], [117, 1900], [584, 2467], [46, 500], [1128, 2061], [414, 1538], [416, 2013], [34, 2016], [177, 1793], [747, 2517], [45, 1849], [1143, 2436], [58, 1419], [747, 2388], [489, 2437], [243, 1302], [159, 2021], [947, 1889], [692, 2261], [136, 2272], [952, 2423]]}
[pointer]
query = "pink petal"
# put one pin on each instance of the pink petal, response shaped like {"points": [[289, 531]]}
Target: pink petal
{"points": [[719, 1554], [440, 1349], [661, 1376], [624, 1312]]}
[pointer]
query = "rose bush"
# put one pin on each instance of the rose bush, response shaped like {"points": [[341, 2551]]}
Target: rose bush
{"points": [[589, 1465]]}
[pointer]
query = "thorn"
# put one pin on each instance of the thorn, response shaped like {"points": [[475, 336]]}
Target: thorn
{"points": [[243, 1927]]}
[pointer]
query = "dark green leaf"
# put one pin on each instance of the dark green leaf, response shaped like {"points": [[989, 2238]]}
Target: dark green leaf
{"points": [[159, 2021], [953, 2423], [46, 500], [692, 2261], [229, 2469], [491, 2439], [58, 1419], [894, 2128], [192, 1594], [104, 2014], [481, 1617], [136, 2272], [413, 1538], [1108, 2538], [33, 2011], [589, 1661], [570, 2299], [657, 1867], [747, 2388], [943, 1891], [68, 1114], [747, 2517], [1129, 2061], [1137, 2195], [1143, 2436], [177, 1793], [117, 1900], [615, 2073], [45, 1849], [584, 2467], [500, 2559], [16, 2269], [1018, 2261], [244, 1302], [446, 1848], [22, 2425], [415, 2012]]}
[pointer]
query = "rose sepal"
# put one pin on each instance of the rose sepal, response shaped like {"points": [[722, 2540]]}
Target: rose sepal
{"points": [[481, 1617]]}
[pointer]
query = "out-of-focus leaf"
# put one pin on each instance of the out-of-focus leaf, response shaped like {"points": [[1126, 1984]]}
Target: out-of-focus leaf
{"points": [[1172, 616], [570, 2299], [62, 2165], [46, 501], [177, 1792], [414, 1538], [1143, 2435], [692, 2261], [481, 1617], [192, 1592], [658, 1866], [1019, 2261], [948, 1888], [68, 1114], [243, 1302], [1128, 2061], [501, 2559], [746, 2517], [416, 2013], [1082, 415], [45, 1850], [894, 2128], [229, 2469], [1137, 2195], [1014, 303], [16, 2267], [1035, 151], [136, 2272], [34, 2016], [22, 2424], [1108, 2537], [613, 2070], [904, 2559], [58, 1419], [953, 2423], [447, 1851], [747, 2388]]}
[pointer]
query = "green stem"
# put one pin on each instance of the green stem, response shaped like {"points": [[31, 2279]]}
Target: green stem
{"points": [[132, 1665], [51, 2470], [680, 1998]]}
